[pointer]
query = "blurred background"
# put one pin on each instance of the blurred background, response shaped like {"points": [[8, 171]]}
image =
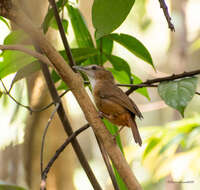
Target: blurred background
{"points": [[170, 155]]}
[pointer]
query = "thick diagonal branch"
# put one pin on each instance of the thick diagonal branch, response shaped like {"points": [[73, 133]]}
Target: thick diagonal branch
{"points": [[75, 83]]}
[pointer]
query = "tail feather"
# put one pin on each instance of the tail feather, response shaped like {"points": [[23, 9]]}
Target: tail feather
{"points": [[135, 131]]}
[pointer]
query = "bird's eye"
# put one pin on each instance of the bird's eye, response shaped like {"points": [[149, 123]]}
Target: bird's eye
{"points": [[94, 67]]}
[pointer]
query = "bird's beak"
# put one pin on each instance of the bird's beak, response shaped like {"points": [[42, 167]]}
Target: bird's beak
{"points": [[80, 68]]}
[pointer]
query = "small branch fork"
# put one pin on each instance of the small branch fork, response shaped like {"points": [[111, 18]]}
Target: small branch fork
{"points": [[58, 152], [163, 5]]}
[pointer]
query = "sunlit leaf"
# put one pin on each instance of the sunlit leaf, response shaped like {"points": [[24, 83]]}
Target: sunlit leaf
{"points": [[120, 75], [81, 32], [13, 61], [15, 37], [5, 22], [152, 143], [80, 28], [178, 94], [133, 45], [174, 140], [109, 15]]}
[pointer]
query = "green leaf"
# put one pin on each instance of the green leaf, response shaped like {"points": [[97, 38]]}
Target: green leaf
{"points": [[119, 64], [50, 15], [151, 145], [133, 45], [15, 37], [81, 54], [64, 22], [113, 130], [13, 61], [10, 187], [120, 75], [177, 94], [142, 91], [81, 32], [109, 15], [174, 140], [26, 71], [55, 76], [1, 93], [5, 22], [106, 45]]}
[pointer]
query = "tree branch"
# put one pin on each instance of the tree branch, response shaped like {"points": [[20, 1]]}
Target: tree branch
{"points": [[149, 83], [75, 83], [163, 5], [62, 33], [44, 135], [23, 48], [59, 151]]}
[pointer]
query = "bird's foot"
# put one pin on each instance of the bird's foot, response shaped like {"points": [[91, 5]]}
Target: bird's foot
{"points": [[101, 114]]}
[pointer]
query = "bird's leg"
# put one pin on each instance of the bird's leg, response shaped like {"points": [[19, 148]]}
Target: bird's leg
{"points": [[117, 133], [101, 114]]}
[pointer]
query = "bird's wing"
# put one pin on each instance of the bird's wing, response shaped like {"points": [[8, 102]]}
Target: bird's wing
{"points": [[118, 96]]}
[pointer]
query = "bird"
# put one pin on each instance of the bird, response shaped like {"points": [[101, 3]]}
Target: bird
{"points": [[111, 101]]}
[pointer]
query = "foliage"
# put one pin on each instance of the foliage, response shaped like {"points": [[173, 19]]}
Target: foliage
{"points": [[4, 186], [177, 94], [172, 149], [176, 141]]}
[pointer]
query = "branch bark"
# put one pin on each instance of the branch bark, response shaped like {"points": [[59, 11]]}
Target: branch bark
{"points": [[75, 83], [30, 52]]}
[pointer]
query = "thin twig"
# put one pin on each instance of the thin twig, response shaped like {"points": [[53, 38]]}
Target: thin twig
{"points": [[163, 5], [108, 165], [44, 135], [60, 150], [23, 48], [68, 129], [28, 107], [62, 33], [198, 93], [162, 79]]}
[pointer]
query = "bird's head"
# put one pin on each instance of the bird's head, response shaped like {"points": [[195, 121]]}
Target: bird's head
{"points": [[95, 72]]}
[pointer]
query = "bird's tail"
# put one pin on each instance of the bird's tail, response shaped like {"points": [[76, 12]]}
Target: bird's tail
{"points": [[135, 131]]}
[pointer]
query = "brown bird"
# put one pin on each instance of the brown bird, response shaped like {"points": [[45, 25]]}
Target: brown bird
{"points": [[111, 101]]}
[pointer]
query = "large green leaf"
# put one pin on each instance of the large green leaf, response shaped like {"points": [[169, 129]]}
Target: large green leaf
{"points": [[177, 94], [81, 32], [133, 45], [81, 54], [80, 28], [13, 61], [119, 64], [109, 15], [15, 37], [120, 75]]}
